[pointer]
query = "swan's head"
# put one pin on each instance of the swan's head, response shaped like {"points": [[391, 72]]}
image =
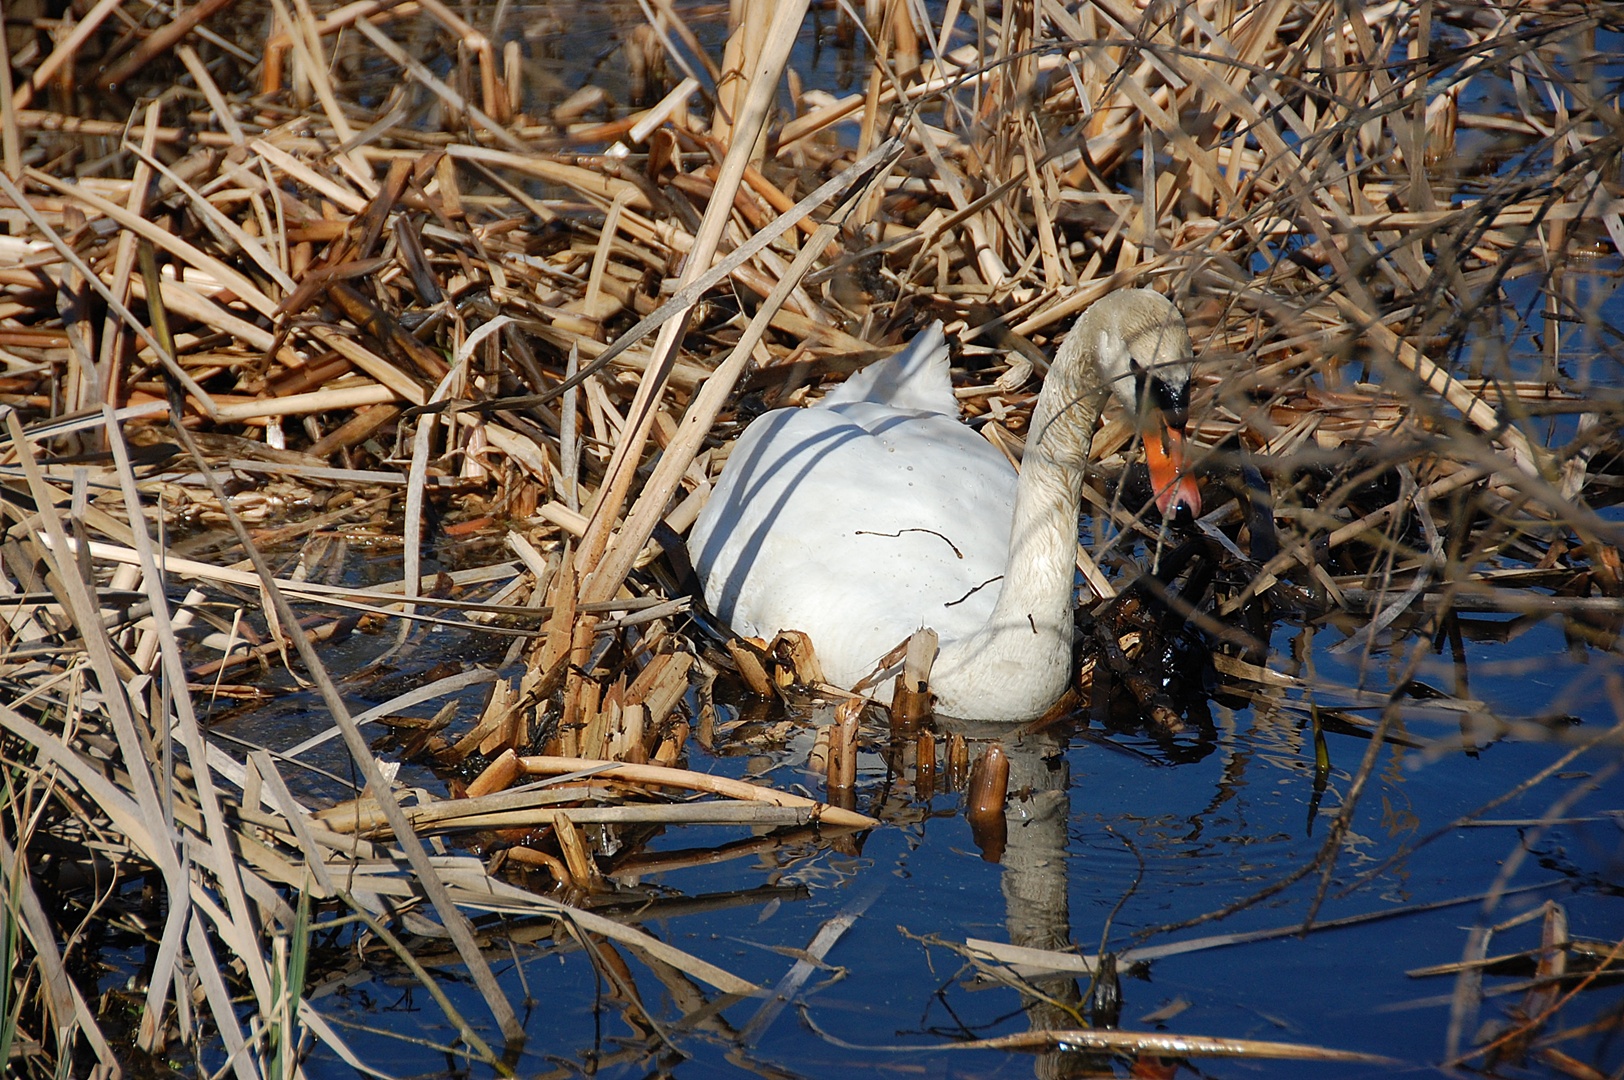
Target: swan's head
{"points": [[1142, 350]]}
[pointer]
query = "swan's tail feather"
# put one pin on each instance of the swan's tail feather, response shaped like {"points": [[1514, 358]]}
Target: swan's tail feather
{"points": [[915, 378]]}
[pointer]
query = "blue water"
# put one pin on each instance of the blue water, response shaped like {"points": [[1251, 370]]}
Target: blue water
{"points": [[1132, 843]]}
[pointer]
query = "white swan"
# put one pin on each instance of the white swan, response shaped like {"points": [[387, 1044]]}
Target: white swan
{"points": [[876, 512]]}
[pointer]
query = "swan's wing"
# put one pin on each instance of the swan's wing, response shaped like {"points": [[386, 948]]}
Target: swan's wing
{"points": [[916, 379], [856, 525]]}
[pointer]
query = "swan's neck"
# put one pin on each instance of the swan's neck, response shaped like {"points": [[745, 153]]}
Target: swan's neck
{"points": [[1026, 644], [1037, 586]]}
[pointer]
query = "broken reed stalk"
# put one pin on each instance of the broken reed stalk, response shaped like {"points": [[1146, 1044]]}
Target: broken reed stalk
{"points": [[842, 760], [910, 700]]}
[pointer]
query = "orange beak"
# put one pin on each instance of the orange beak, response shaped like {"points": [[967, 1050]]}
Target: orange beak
{"points": [[1170, 478]]}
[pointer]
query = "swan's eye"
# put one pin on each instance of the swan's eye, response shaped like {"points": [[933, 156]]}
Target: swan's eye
{"points": [[1141, 393], [1173, 401]]}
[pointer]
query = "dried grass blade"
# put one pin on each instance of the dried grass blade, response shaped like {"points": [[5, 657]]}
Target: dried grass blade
{"points": [[115, 331], [1479, 412], [423, 75], [1149, 1044], [416, 477], [702, 413], [539, 765], [746, 130], [242, 287], [249, 245], [87, 617], [316, 1022], [68, 1011], [122, 808], [417, 696], [452, 919], [403, 385], [216, 993], [312, 179], [706, 972], [828, 935], [240, 931], [211, 92], [584, 181], [11, 148], [649, 508], [22, 203], [465, 1030], [349, 397], [306, 44], [686, 296], [64, 53], [143, 830], [535, 809], [1048, 960], [384, 596], [183, 298]]}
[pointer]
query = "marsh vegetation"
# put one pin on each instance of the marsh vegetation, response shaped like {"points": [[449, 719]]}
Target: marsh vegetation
{"points": [[365, 366]]}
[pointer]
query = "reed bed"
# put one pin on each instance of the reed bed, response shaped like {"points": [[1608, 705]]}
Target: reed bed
{"points": [[350, 277]]}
